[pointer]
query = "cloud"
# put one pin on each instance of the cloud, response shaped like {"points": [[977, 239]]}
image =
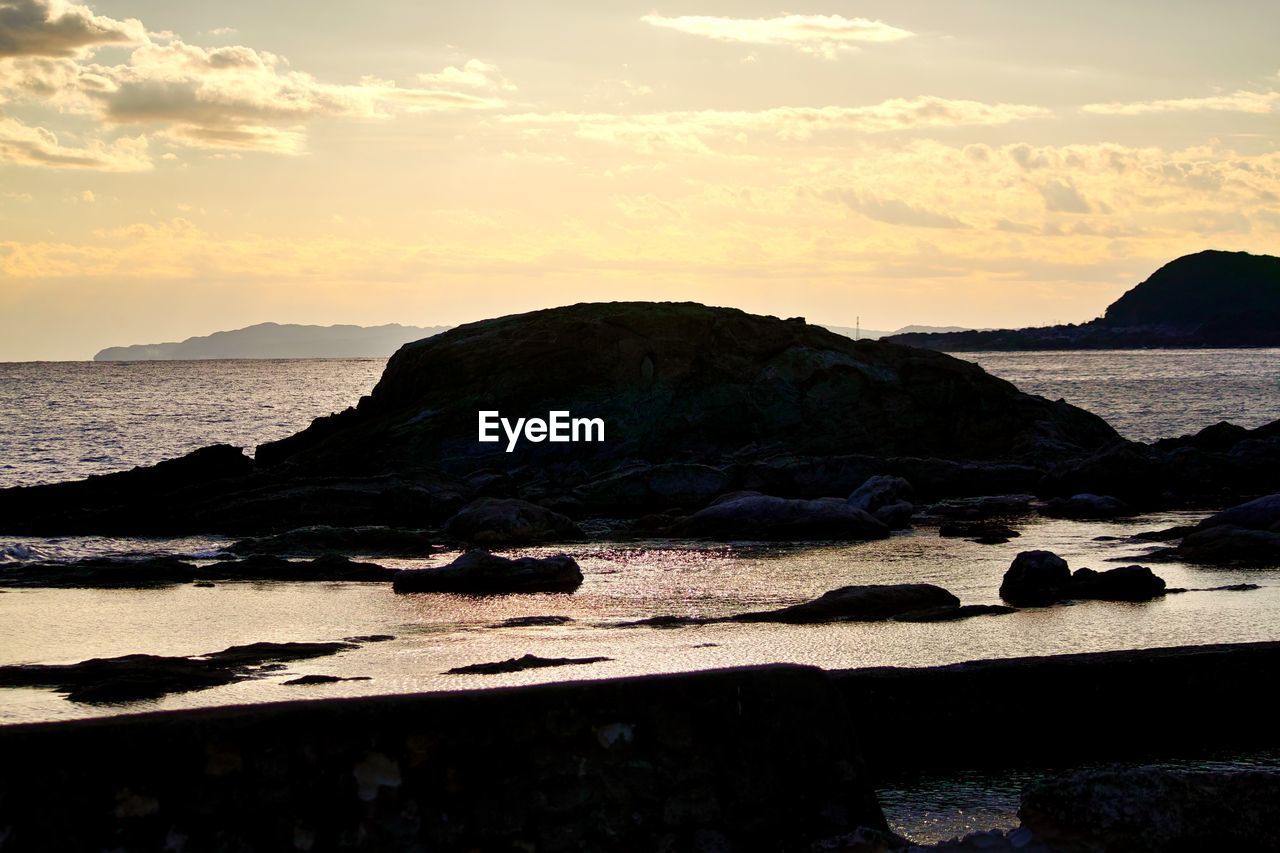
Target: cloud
{"points": [[56, 28], [37, 146], [893, 211], [1061, 196], [690, 130], [819, 35], [231, 97], [475, 74], [1235, 102]]}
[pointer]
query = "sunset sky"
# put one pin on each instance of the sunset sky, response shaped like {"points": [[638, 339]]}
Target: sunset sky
{"points": [[173, 168]]}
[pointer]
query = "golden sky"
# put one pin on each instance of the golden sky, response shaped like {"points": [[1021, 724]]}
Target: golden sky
{"points": [[172, 168]]}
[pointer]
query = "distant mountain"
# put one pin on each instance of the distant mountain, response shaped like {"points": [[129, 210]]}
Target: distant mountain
{"points": [[1209, 299], [275, 340], [875, 334]]}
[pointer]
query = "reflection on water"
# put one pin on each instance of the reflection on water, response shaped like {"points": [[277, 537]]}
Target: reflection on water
{"points": [[623, 582]]}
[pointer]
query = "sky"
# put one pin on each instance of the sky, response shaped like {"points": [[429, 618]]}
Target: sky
{"points": [[172, 168]]}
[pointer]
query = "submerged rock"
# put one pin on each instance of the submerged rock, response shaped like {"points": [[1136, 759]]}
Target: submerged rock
{"points": [[480, 572], [1036, 579], [519, 664], [532, 621], [952, 614], [1148, 809], [764, 517], [503, 521], [870, 603]]}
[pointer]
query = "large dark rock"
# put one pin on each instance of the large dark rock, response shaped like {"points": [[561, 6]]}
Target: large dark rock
{"points": [[111, 572], [325, 539], [507, 521], [765, 517], [1126, 583], [887, 499], [1036, 579], [871, 603], [1260, 514], [674, 383], [481, 572], [1148, 809]]}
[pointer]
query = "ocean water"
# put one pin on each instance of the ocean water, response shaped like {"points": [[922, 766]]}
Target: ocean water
{"points": [[69, 420]]}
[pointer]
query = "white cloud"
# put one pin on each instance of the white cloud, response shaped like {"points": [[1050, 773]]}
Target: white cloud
{"points": [[37, 146], [820, 35], [474, 74], [1235, 102]]}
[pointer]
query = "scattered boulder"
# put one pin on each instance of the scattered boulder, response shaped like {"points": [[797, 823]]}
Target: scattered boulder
{"points": [[480, 572], [1086, 507], [508, 521], [1127, 583], [870, 603], [324, 539], [1230, 545], [1147, 809], [1036, 579], [764, 517], [519, 664]]}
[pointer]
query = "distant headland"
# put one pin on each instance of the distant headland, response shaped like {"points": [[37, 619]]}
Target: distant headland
{"points": [[1209, 299], [276, 340]]}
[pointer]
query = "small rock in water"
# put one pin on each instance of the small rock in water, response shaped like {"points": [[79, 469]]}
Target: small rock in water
{"points": [[519, 664], [532, 621], [306, 680]]}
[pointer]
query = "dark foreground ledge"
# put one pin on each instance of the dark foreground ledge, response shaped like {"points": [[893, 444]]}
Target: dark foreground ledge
{"points": [[747, 759], [761, 758]]}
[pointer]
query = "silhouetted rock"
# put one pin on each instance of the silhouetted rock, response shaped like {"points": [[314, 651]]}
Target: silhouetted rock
{"points": [[1226, 544], [99, 573], [986, 532], [951, 614], [1126, 583], [268, 567], [480, 572], [308, 680], [1260, 514], [519, 664], [983, 507], [1207, 299], [134, 677], [1086, 506], [679, 385], [532, 621], [870, 603], [1148, 809], [325, 539], [499, 521], [1036, 579]]}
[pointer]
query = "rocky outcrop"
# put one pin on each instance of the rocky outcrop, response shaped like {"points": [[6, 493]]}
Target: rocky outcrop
{"points": [[1041, 578], [1260, 514], [871, 603], [480, 572], [110, 572], [134, 677], [1149, 809], [764, 517], [695, 401], [1227, 545], [326, 539]]}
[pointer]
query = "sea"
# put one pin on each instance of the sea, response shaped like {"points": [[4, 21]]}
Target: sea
{"points": [[61, 420]]}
